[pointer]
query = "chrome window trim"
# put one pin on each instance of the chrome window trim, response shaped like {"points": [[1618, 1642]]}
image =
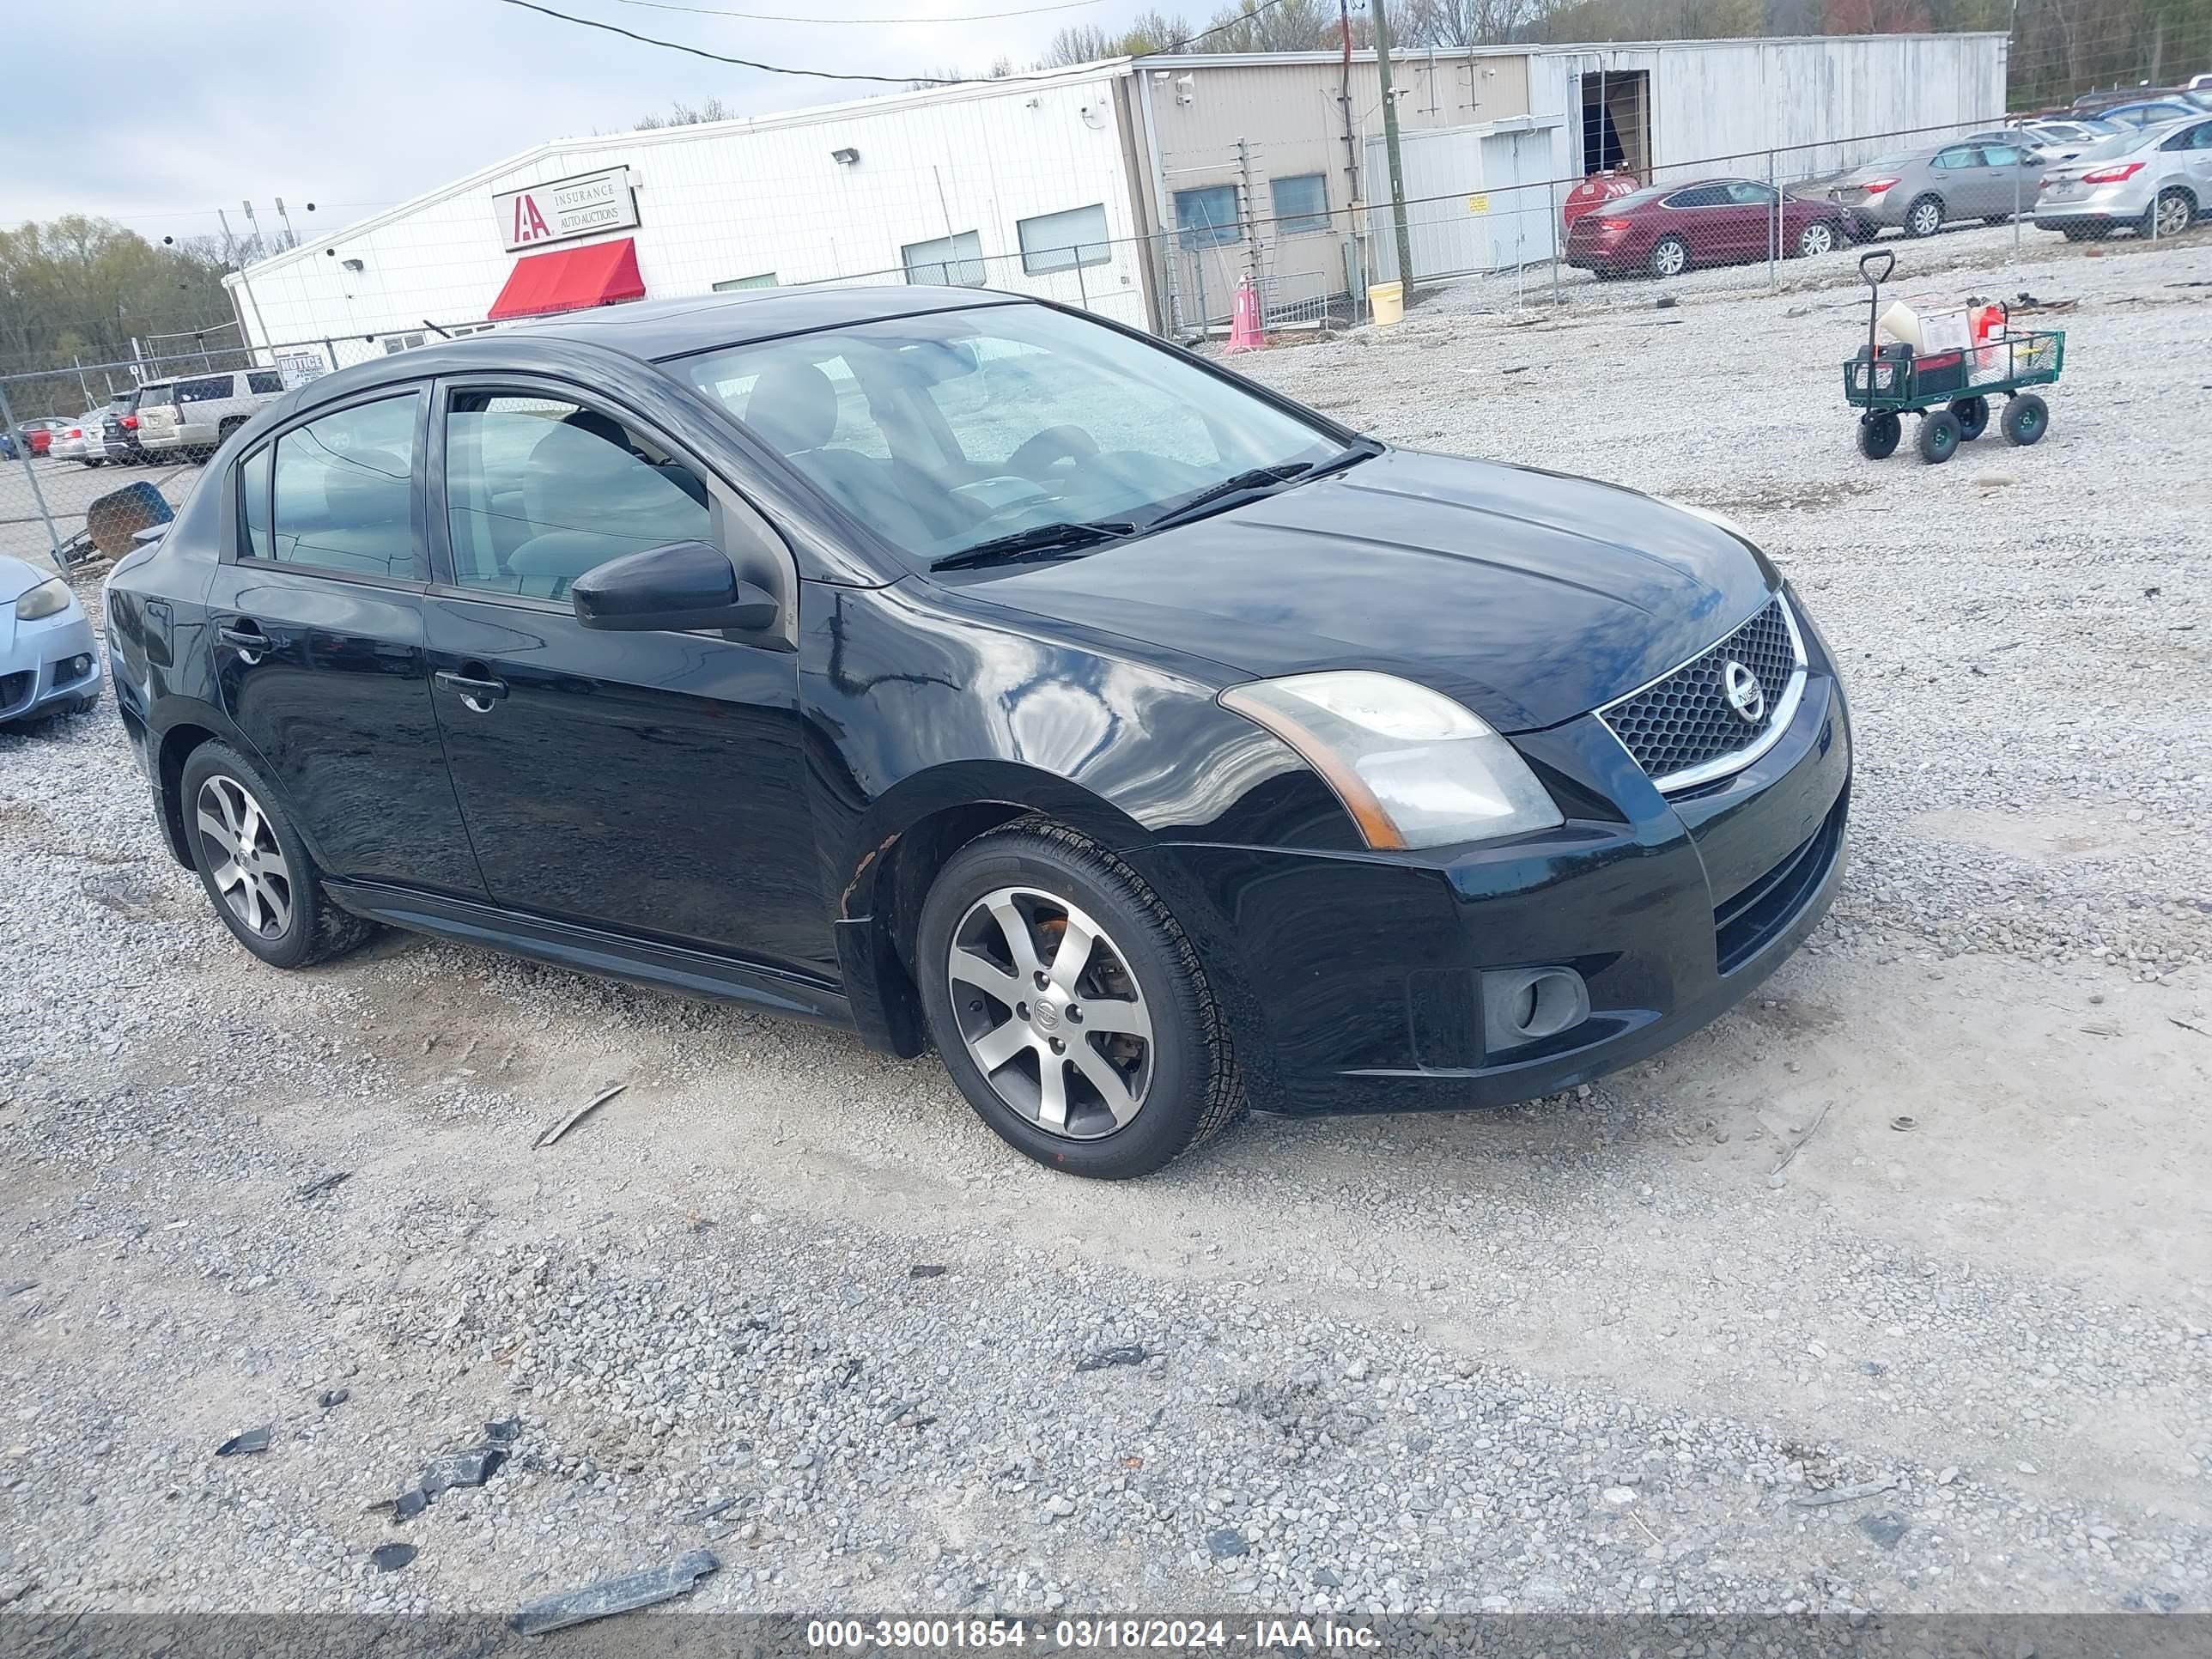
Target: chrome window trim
{"points": [[1721, 766]]}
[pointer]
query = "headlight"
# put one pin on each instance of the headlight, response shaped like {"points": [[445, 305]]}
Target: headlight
{"points": [[48, 599], [1411, 766]]}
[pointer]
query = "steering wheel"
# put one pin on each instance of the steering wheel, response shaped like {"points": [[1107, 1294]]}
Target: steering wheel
{"points": [[1038, 454]]}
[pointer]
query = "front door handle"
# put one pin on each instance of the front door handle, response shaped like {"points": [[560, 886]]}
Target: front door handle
{"points": [[478, 694], [248, 640]]}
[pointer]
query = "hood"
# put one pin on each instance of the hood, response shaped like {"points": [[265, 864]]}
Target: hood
{"points": [[1529, 596], [17, 579]]}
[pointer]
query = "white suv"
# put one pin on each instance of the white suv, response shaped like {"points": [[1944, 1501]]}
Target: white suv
{"points": [[201, 410]]}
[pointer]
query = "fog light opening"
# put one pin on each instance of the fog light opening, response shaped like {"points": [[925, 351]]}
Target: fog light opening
{"points": [[1526, 1004]]}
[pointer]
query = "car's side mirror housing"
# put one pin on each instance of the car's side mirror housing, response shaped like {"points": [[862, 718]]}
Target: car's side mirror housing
{"points": [[681, 585]]}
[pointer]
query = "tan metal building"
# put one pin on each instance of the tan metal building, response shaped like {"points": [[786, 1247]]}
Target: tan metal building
{"points": [[1263, 163]]}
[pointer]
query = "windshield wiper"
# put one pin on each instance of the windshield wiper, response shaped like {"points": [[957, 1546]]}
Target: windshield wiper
{"points": [[1036, 540], [1261, 478]]}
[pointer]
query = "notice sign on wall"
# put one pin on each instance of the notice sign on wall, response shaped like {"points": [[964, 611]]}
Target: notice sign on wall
{"points": [[582, 206]]}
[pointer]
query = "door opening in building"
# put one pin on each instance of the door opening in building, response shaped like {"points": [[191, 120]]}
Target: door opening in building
{"points": [[1616, 122]]}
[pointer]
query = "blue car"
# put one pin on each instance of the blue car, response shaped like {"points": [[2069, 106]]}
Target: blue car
{"points": [[49, 664]]}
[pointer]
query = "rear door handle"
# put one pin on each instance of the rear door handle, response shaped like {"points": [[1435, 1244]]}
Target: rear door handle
{"points": [[248, 640], [478, 694]]}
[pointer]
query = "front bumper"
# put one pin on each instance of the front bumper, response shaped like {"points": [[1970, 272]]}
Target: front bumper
{"points": [[1366, 972], [46, 665]]}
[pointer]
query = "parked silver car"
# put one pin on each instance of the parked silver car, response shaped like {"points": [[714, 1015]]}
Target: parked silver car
{"points": [[1920, 191], [2155, 182], [48, 663]]}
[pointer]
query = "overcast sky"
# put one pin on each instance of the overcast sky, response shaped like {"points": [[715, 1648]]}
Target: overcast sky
{"points": [[157, 116]]}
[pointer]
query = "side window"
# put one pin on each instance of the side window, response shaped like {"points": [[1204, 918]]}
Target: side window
{"points": [[208, 390], [253, 503], [1301, 202], [1061, 241], [1698, 195], [1748, 195], [2000, 155], [1207, 217], [540, 490], [1958, 156], [946, 261], [264, 381], [344, 494]]}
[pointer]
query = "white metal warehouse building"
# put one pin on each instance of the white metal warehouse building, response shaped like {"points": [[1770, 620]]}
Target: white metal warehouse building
{"points": [[1144, 191]]}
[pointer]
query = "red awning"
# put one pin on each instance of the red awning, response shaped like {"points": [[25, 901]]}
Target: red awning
{"points": [[570, 279]]}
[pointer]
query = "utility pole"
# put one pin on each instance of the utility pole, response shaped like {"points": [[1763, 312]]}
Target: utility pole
{"points": [[1390, 147]]}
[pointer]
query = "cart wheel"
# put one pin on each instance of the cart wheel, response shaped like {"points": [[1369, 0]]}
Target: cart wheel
{"points": [[1973, 414], [2026, 418], [1878, 436], [1939, 437]]}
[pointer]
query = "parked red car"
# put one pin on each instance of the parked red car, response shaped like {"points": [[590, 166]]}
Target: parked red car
{"points": [[39, 435], [1666, 228]]}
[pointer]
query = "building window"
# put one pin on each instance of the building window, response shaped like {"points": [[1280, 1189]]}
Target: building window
{"points": [[946, 261], [1061, 241], [766, 279], [1207, 217], [1301, 203]]}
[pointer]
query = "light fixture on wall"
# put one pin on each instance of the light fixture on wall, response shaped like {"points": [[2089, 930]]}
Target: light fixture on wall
{"points": [[845, 158], [353, 264], [1185, 87]]}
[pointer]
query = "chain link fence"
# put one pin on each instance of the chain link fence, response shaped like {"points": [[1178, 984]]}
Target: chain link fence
{"points": [[1499, 240]]}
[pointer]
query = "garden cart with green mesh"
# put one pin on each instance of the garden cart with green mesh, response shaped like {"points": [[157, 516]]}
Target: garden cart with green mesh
{"points": [[1950, 391]]}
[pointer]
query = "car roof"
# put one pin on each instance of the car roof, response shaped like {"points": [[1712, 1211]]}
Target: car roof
{"points": [[658, 329]]}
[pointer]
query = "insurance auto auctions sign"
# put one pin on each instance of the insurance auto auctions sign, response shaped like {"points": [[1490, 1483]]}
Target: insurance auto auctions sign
{"points": [[582, 206]]}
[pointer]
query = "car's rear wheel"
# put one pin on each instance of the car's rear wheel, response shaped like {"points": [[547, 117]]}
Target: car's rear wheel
{"points": [[1069, 1006], [255, 867], [1925, 217], [2172, 214], [1670, 257]]}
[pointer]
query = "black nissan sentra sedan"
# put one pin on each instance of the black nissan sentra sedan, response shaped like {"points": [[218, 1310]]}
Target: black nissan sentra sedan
{"points": [[972, 673]]}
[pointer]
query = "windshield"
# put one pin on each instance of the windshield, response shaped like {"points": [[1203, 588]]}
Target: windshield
{"points": [[945, 432]]}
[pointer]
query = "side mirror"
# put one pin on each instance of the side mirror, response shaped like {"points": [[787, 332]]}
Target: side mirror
{"points": [[682, 585]]}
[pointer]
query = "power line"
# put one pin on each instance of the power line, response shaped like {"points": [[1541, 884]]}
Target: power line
{"points": [[789, 17], [880, 80]]}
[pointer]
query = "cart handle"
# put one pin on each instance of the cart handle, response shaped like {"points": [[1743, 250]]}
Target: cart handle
{"points": [[1876, 279]]}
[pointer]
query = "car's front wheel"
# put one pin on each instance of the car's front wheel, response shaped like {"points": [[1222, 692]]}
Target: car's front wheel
{"points": [[1816, 239], [255, 867], [1069, 1005]]}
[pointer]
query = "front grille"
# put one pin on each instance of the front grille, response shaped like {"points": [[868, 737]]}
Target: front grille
{"points": [[1685, 722]]}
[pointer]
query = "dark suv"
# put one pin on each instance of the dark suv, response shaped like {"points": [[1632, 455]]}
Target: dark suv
{"points": [[971, 672]]}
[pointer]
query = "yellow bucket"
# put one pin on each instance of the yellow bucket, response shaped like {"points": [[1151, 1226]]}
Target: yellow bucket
{"points": [[1386, 302]]}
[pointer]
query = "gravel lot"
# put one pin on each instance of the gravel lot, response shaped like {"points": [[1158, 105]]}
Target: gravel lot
{"points": [[1929, 1217]]}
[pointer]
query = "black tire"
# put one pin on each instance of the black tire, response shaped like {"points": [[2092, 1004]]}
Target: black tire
{"points": [[2177, 205], [92, 463], [1821, 236], [2077, 233], [222, 432], [1669, 257], [1193, 1090], [2027, 417], [1878, 436], [1939, 437], [1925, 216], [314, 930], [1973, 414]]}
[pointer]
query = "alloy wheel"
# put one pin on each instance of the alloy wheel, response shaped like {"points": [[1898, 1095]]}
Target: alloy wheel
{"points": [[1816, 240], [1927, 219], [245, 862], [1051, 1012], [2174, 214], [1669, 257]]}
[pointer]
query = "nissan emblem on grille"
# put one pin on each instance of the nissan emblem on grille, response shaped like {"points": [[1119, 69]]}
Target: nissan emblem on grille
{"points": [[1741, 686], [1718, 710]]}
